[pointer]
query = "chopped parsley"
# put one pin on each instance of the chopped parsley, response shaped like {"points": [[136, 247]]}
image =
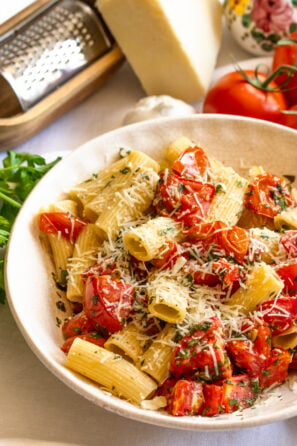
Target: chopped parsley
{"points": [[19, 173]]}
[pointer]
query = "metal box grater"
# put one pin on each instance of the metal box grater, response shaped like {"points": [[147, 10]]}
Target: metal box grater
{"points": [[44, 51]]}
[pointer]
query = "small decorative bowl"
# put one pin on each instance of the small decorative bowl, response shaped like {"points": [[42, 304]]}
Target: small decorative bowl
{"points": [[257, 25]]}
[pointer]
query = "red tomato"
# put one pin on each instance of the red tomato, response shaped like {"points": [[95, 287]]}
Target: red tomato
{"points": [[238, 393], [192, 163], [107, 302], [276, 369], [186, 398], [202, 353], [93, 337], [289, 241], [227, 272], [166, 388], [200, 277], [279, 313], [232, 94], [222, 272], [289, 119], [61, 222], [287, 55], [244, 356], [182, 199], [293, 363], [106, 267], [234, 241], [268, 195], [77, 325], [213, 396], [288, 273], [262, 342], [167, 257]]}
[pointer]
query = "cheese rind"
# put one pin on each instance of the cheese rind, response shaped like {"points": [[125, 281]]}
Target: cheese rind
{"points": [[172, 45]]}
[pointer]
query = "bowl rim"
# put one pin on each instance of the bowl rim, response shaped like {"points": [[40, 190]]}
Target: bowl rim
{"points": [[72, 380]]}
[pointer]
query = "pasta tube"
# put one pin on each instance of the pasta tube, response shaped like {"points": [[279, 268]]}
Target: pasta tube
{"points": [[84, 192], [168, 299], [119, 181], [110, 370], [128, 204], [84, 255], [287, 339], [268, 243], [145, 242], [128, 342], [176, 148], [227, 205], [61, 251], [286, 219], [262, 284], [156, 359], [61, 248]]}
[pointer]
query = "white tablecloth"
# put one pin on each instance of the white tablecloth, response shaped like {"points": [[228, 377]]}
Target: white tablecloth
{"points": [[34, 404]]}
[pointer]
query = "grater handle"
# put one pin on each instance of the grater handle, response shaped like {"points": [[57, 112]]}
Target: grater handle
{"points": [[17, 129]]}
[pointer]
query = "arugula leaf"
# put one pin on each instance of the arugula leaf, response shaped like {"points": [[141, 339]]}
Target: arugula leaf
{"points": [[19, 173]]}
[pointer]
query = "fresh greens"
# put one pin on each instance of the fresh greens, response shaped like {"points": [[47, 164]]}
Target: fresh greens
{"points": [[18, 175]]}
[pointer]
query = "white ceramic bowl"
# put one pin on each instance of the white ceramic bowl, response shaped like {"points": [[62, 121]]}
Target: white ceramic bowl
{"points": [[236, 141]]}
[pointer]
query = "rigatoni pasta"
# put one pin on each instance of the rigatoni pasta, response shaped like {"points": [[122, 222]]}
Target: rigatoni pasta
{"points": [[110, 370], [179, 277]]}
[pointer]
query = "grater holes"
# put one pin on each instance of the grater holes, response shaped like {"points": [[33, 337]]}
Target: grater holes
{"points": [[62, 38]]}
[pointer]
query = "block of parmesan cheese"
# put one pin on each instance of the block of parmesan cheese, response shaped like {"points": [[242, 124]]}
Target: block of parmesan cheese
{"points": [[172, 45]]}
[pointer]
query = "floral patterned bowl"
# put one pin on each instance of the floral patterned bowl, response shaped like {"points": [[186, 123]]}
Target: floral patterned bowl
{"points": [[257, 25]]}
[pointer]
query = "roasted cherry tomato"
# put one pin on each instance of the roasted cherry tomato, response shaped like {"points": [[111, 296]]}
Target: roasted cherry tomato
{"points": [[268, 195], [106, 266], [244, 356], [288, 273], [233, 94], [186, 398], [289, 241], [77, 325], [238, 393], [289, 119], [279, 313], [94, 337], [167, 257], [233, 241], [182, 199], [276, 369], [213, 396], [61, 222], [192, 163], [286, 55], [107, 302], [202, 353], [262, 339], [221, 272], [293, 363]]}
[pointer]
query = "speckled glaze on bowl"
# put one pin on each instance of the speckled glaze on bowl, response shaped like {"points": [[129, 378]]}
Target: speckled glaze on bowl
{"points": [[236, 141], [257, 25]]}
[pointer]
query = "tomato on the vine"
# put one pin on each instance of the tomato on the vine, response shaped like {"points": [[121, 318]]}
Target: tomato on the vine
{"points": [[284, 55], [236, 93], [289, 119]]}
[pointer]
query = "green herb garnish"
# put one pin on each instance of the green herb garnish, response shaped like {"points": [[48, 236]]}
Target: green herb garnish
{"points": [[18, 175]]}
